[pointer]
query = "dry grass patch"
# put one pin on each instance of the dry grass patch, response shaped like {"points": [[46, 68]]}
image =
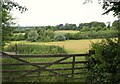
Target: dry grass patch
{"points": [[67, 31]]}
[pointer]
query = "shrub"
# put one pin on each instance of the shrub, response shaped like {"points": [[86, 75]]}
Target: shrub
{"points": [[60, 37], [26, 35], [32, 36], [45, 35], [77, 36], [69, 36], [104, 65], [46, 39]]}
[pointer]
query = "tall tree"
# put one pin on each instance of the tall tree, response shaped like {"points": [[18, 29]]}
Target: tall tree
{"points": [[7, 19], [115, 8], [111, 6]]}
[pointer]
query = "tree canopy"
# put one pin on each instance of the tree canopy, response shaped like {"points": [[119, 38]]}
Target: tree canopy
{"points": [[7, 19], [108, 6], [111, 6]]}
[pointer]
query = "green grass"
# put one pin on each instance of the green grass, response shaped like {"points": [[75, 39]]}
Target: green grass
{"points": [[45, 78], [71, 46]]}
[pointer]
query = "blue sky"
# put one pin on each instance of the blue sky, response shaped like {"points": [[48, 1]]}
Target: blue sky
{"points": [[53, 12]]}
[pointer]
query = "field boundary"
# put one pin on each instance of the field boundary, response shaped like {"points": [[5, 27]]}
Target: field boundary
{"points": [[45, 66]]}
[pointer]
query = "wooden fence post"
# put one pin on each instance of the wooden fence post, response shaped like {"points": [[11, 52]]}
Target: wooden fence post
{"points": [[73, 66], [50, 49], [16, 49], [91, 52]]}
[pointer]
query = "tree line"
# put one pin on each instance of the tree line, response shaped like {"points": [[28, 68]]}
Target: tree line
{"points": [[67, 26], [92, 30]]}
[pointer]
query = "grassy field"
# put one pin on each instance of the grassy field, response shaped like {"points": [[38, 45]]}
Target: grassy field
{"points": [[43, 78], [71, 46], [66, 31]]}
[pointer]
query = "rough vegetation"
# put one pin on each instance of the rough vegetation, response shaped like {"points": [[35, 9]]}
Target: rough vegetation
{"points": [[104, 65], [34, 49]]}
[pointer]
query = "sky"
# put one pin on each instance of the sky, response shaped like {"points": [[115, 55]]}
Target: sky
{"points": [[54, 12]]}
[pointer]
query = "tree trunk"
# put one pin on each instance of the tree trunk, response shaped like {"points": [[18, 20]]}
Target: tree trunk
{"points": [[119, 31]]}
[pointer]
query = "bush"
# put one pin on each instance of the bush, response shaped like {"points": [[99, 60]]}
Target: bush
{"points": [[32, 36], [45, 35], [60, 37], [46, 39], [104, 65], [77, 36], [69, 36]]}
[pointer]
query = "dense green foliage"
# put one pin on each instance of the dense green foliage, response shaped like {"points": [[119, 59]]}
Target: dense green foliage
{"points": [[34, 49], [91, 34], [61, 27], [32, 36], [104, 65], [39, 35], [92, 30], [59, 37], [114, 6], [45, 35], [17, 37], [111, 6], [7, 19]]}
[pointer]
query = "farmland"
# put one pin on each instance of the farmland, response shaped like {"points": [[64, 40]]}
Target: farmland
{"points": [[53, 42], [40, 47], [71, 46], [67, 31], [62, 48]]}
